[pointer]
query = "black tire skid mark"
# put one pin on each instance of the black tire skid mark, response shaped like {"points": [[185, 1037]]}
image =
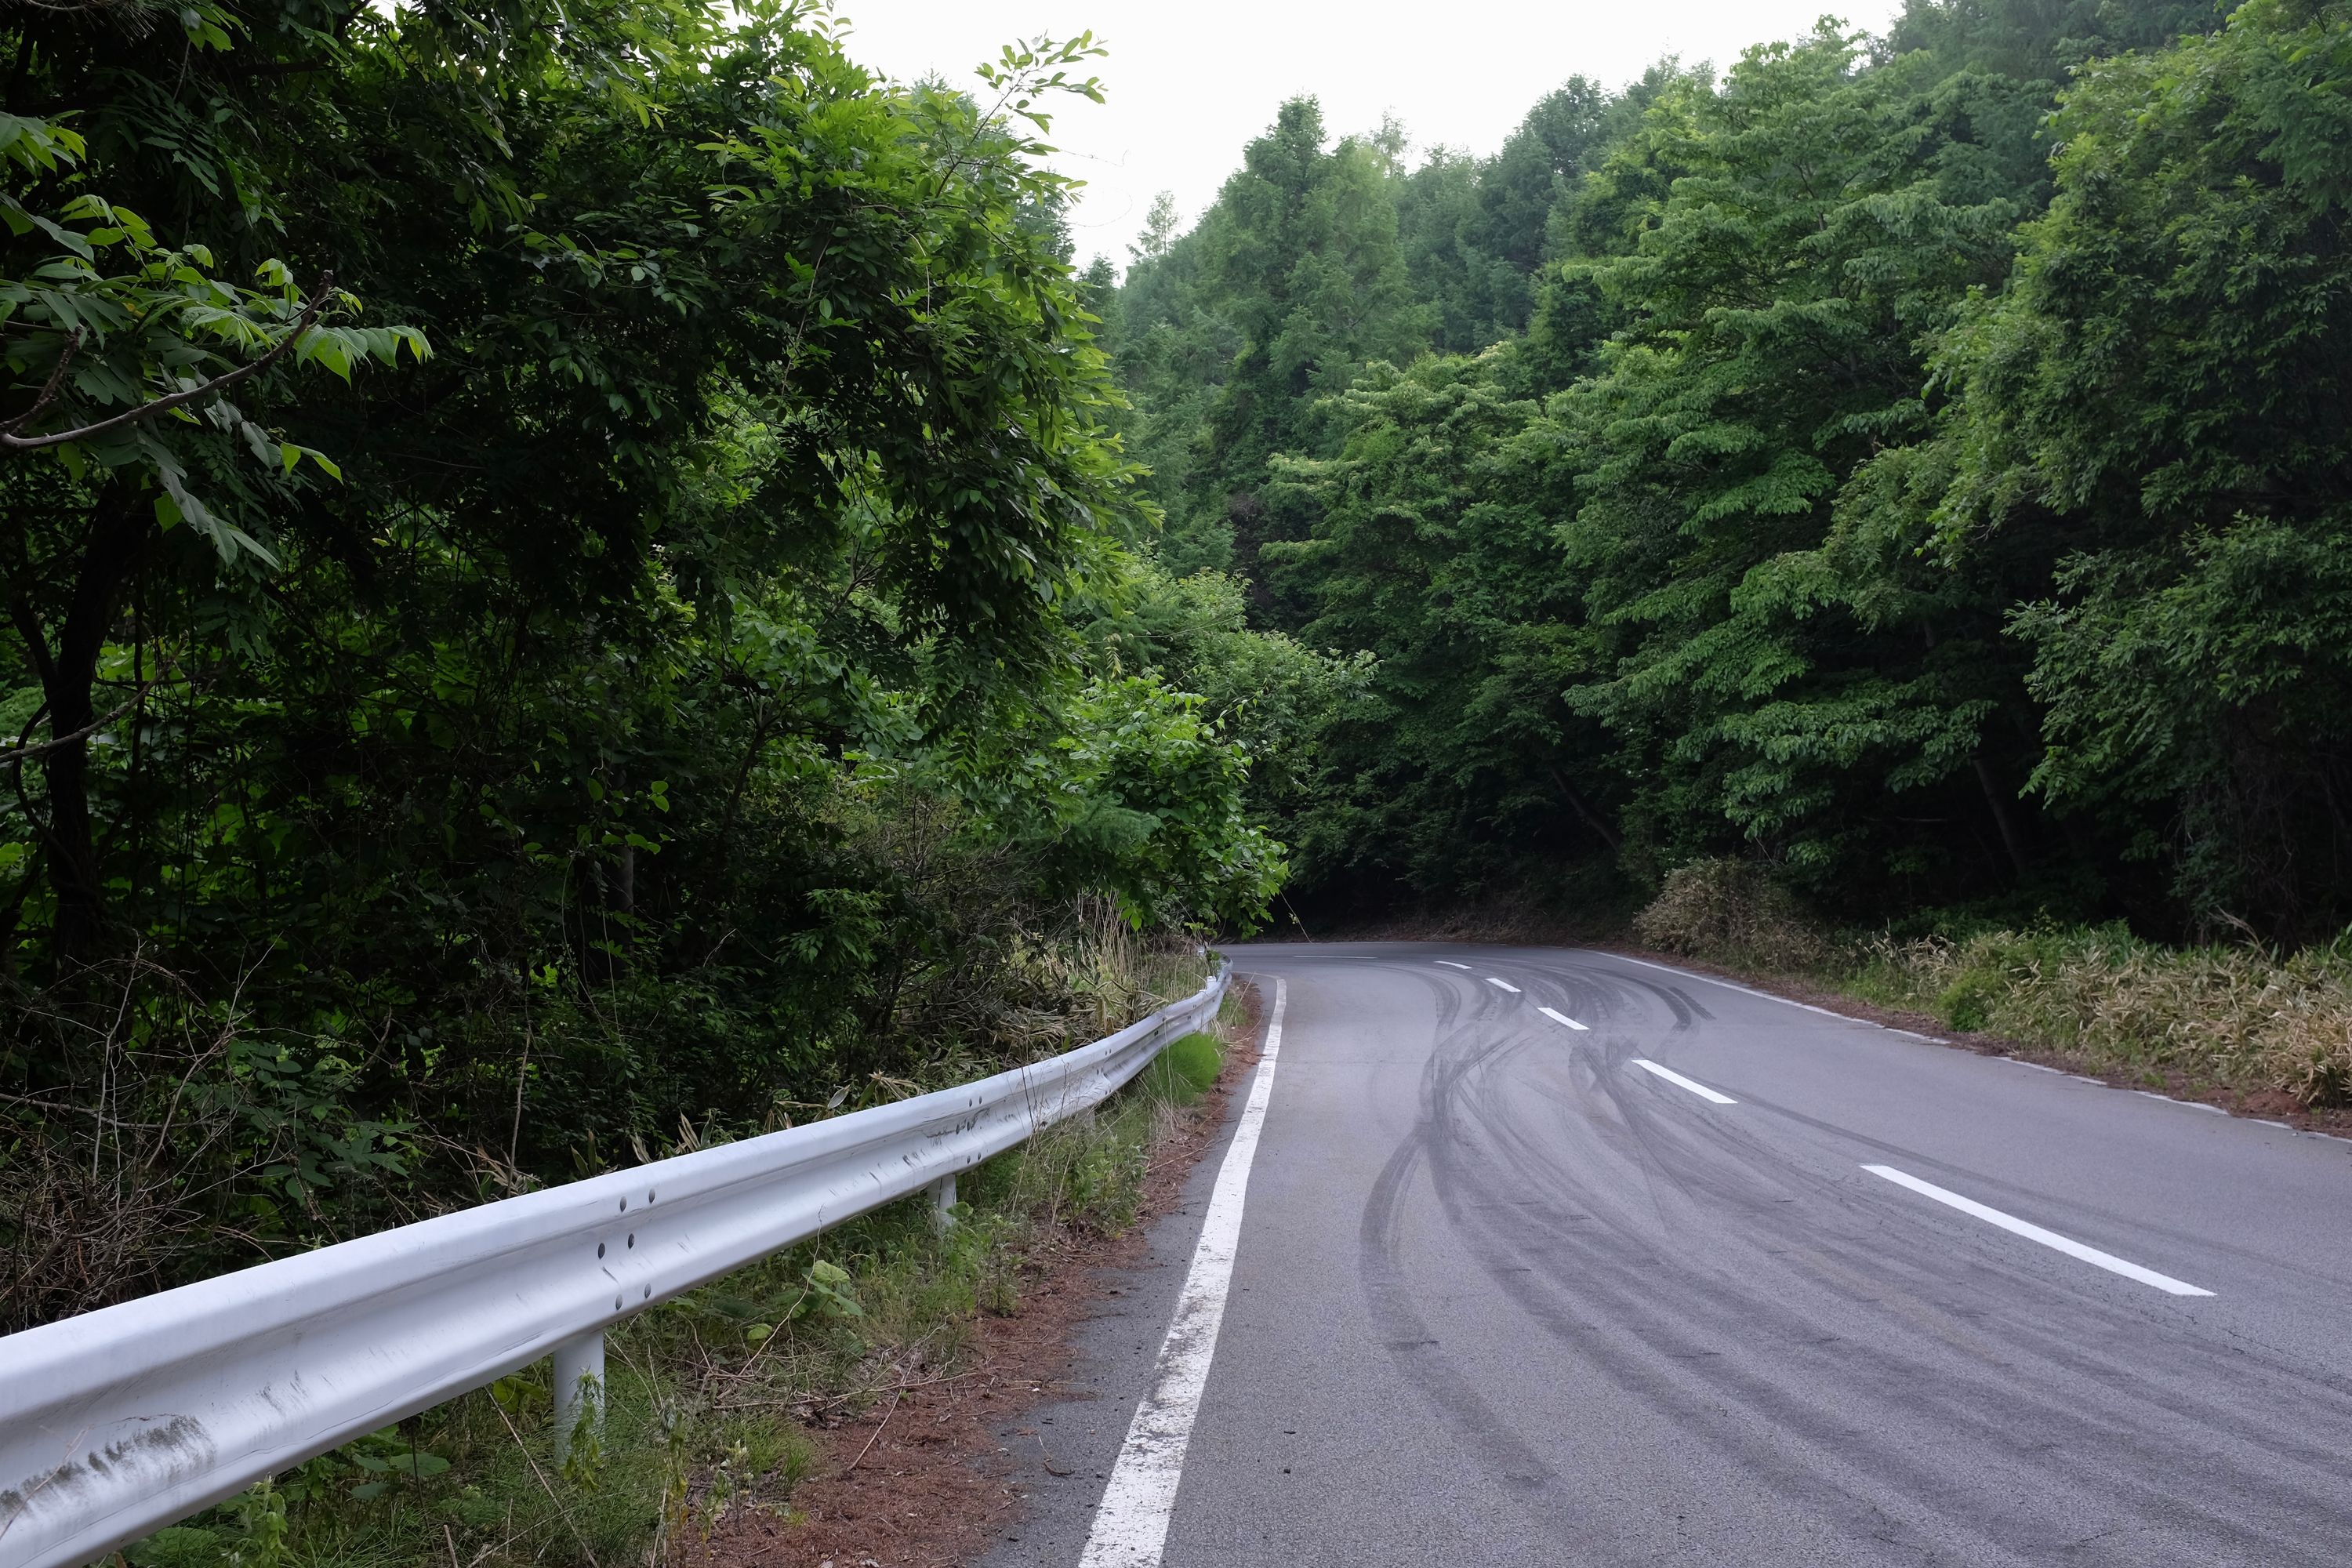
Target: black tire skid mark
{"points": [[2060, 1340], [1516, 1206], [1526, 1167], [1625, 1250], [1533, 1483]]}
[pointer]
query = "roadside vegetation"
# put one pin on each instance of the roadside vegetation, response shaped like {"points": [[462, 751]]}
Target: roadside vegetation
{"points": [[713, 1401], [2227, 1020], [662, 646], [1898, 480], [1913, 463], [587, 579]]}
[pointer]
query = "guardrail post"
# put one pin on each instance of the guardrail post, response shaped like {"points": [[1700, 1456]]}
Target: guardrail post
{"points": [[579, 1390], [71, 1389], [943, 1200]]}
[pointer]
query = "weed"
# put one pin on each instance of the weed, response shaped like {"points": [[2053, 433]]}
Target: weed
{"points": [[709, 1400], [2244, 1018], [1731, 910], [2235, 1017], [1186, 1070]]}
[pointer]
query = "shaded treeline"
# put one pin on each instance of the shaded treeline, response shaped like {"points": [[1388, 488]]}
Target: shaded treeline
{"points": [[1919, 463]]}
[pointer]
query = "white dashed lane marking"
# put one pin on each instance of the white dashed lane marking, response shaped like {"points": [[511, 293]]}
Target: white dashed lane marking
{"points": [[2048, 1238], [1671, 1076]]}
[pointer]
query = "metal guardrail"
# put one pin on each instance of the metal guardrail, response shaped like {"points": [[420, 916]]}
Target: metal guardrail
{"points": [[121, 1421]]}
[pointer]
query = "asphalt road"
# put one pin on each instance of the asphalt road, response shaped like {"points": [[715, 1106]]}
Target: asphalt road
{"points": [[1503, 1295]]}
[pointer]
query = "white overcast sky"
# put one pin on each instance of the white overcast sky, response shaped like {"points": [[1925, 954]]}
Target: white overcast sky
{"points": [[1189, 81]]}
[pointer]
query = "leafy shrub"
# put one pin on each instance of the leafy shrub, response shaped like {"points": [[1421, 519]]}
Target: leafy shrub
{"points": [[1733, 912]]}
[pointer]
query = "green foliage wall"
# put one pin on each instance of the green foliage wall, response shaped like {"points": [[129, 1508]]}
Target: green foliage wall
{"points": [[1915, 462], [612, 667]]}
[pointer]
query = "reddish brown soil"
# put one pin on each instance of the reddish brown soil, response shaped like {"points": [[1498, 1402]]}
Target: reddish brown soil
{"points": [[920, 1480]]}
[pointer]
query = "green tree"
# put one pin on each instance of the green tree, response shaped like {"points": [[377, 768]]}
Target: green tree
{"points": [[1475, 231], [599, 714], [1432, 551], [1806, 232], [1292, 283], [2157, 409]]}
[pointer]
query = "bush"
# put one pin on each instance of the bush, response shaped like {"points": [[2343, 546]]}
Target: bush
{"points": [[1731, 911]]}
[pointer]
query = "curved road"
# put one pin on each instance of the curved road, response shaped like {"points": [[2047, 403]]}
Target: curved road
{"points": [[1719, 1279]]}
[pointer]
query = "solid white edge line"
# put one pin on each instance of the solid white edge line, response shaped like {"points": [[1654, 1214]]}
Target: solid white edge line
{"points": [[1131, 1528], [1502, 986], [1450, 964], [1767, 996], [2048, 1238], [2184, 1104], [1557, 1016], [1671, 1076]]}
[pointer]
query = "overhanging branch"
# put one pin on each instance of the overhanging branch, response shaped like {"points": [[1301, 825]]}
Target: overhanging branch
{"points": [[54, 742], [11, 441]]}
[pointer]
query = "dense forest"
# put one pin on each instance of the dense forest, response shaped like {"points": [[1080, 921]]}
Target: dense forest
{"points": [[585, 578], [1918, 465], [570, 591]]}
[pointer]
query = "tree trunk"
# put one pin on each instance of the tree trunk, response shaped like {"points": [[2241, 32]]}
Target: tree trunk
{"points": [[1584, 812], [2001, 816], [119, 532], [2001, 819]]}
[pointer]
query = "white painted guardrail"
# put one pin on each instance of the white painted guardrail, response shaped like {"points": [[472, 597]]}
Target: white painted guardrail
{"points": [[119, 1422]]}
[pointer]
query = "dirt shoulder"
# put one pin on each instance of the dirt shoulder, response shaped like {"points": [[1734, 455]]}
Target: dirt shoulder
{"points": [[922, 1479]]}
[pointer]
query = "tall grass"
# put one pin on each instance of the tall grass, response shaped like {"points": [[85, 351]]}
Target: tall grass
{"points": [[1731, 911], [2241, 1018], [2234, 1018], [710, 1400]]}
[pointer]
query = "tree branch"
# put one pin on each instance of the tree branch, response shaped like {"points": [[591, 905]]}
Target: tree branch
{"points": [[36, 639], [11, 441], [54, 741], [1576, 802], [49, 389]]}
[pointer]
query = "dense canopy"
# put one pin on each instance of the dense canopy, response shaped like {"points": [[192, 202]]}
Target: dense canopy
{"points": [[554, 563], [1917, 463]]}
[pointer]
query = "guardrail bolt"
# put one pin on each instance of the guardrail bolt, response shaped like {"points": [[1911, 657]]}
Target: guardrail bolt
{"points": [[943, 1201], [579, 1390]]}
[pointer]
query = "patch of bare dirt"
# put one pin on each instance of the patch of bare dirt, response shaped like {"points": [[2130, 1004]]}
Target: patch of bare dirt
{"points": [[919, 1481]]}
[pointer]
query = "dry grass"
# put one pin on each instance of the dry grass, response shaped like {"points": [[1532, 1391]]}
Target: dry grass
{"points": [[1731, 911], [2242, 1018], [2238, 1017]]}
